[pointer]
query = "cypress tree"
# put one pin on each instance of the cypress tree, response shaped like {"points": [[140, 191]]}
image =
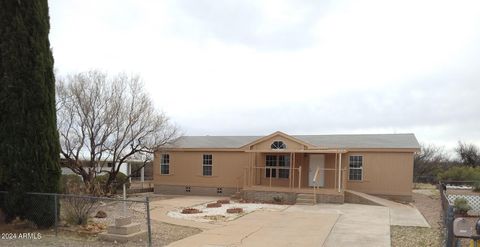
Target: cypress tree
{"points": [[29, 146]]}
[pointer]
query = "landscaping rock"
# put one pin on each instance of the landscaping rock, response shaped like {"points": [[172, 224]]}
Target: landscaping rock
{"points": [[223, 201], [191, 211], [214, 205], [234, 210]]}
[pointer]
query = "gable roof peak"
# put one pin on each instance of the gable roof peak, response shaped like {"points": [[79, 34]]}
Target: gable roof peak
{"points": [[279, 133]]}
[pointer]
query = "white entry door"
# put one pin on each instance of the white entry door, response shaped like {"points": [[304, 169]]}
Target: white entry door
{"points": [[316, 160]]}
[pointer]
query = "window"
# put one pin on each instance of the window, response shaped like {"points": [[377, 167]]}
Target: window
{"points": [[109, 164], [274, 161], [278, 145], [207, 165], [219, 190], [187, 188], [165, 164], [284, 161], [355, 168], [270, 163]]}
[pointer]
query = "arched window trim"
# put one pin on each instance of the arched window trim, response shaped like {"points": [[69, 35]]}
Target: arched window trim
{"points": [[278, 144]]}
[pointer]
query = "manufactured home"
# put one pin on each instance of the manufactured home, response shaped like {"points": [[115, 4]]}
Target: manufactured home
{"points": [[283, 167]]}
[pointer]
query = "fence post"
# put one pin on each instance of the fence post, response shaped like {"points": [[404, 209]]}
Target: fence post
{"points": [[55, 200], [149, 228], [449, 226]]}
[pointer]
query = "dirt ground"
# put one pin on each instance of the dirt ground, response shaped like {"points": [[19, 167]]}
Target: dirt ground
{"points": [[162, 234], [427, 201]]}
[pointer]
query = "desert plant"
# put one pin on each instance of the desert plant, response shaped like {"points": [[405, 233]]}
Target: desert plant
{"points": [[70, 180], [278, 199], [78, 208], [460, 173], [461, 206], [100, 181], [476, 186]]}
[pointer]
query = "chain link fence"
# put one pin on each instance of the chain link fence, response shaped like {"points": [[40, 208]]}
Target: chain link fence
{"points": [[78, 220], [447, 216]]}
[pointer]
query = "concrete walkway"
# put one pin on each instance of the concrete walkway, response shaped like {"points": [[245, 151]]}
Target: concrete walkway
{"points": [[357, 225], [400, 214]]}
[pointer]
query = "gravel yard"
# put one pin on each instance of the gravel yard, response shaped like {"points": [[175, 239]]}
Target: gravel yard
{"points": [[427, 202]]}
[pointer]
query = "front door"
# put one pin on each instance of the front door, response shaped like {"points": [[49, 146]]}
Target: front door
{"points": [[316, 160]]}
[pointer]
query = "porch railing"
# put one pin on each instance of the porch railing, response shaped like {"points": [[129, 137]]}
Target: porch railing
{"points": [[257, 176], [250, 175]]}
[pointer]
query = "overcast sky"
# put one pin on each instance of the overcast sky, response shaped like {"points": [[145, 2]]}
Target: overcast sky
{"points": [[301, 67]]}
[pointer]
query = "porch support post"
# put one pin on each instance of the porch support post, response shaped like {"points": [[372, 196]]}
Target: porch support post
{"points": [[299, 176], [290, 171], [249, 171], [254, 170], [340, 173], [336, 170], [293, 174]]}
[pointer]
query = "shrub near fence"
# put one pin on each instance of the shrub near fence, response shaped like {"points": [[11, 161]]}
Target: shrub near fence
{"points": [[85, 217]]}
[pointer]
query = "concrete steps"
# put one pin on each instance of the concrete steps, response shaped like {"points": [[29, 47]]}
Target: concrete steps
{"points": [[305, 199]]}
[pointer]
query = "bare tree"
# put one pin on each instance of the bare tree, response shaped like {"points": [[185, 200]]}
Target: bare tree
{"points": [[469, 154], [105, 119], [428, 162]]}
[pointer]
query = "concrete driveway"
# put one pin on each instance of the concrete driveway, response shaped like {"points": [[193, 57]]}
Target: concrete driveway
{"points": [[267, 228], [298, 225]]}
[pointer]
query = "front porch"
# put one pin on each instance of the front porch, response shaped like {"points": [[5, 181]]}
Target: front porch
{"points": [[292, 195], [304, 190], [314, 174]]}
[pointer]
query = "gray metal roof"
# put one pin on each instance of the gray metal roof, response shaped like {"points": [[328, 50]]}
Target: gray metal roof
{"points": [[326, 141]]}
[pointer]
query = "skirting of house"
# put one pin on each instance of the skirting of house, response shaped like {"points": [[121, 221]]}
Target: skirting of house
{"points": [[193, 190], [270, 196], [288, 197]]}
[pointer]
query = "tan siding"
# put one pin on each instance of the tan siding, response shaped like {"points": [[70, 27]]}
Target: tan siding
{"points": [[384, 173], [186, 169]]}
